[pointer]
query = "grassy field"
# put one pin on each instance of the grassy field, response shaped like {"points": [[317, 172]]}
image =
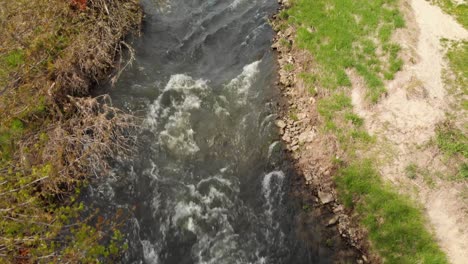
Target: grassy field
{"points": [[344, 36], [395, 224], [51, 53], [348, 34]]}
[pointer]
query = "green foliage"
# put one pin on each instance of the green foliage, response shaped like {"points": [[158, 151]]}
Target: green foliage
{"points": [[329, 107], [396, 226], [457, 77], [411, 171], [39, 45], [451, 140], [355, 119], [15, 58], [463, 172], [289, 67], [343, 34]]}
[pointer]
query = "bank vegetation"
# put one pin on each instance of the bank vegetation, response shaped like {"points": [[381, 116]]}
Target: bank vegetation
{"points": [[54, 137]]}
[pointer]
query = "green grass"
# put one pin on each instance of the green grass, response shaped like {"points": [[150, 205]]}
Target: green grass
{"points": [[289, 67], [344, 34], [396, 226], [451, 140], [412, 171], [456, 76]]}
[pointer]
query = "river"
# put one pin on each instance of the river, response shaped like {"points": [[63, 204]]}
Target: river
{"points": [[210, 182]]}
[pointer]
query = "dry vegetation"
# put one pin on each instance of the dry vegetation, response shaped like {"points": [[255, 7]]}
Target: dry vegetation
{"points": [[52, 136]]}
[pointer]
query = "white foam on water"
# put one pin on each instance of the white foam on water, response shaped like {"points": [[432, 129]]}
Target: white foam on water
{"points": [[178, 136], [266, 185], [242, 83], [236, 3], [216, 178], [272, 148], [149, 252], [184, 210], [185, 94], [273, 197]]}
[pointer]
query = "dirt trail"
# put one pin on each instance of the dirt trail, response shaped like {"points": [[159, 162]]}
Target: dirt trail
{"points": [[406, 119]]}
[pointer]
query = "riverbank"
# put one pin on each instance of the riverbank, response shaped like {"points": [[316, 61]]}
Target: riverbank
{"points": [[342, 66], [53, 135]]}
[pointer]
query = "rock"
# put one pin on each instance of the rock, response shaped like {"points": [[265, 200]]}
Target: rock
{"points": [[325, 197], [338, 209], [307, 137], [301, 116], [280, 123], [310, 30], [333, 221], [275, 45], [285, 3], [308, 177], [286, 137]]}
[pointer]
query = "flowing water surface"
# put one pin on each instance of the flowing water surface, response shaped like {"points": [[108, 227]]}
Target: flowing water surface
{"points": [[209, 182]]}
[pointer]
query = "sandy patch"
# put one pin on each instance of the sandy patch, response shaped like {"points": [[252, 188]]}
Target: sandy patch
{"points": [[406, 119]]}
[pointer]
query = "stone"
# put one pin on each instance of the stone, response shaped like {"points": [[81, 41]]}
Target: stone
{"points": [[280, 123], [338, 209], [288, 32], [308, 177], [325, 197], [333, 221], [275, 45], [302, 116]]}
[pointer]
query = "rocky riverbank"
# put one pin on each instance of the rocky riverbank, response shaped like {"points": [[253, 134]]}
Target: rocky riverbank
{"points": [[315, 154]]}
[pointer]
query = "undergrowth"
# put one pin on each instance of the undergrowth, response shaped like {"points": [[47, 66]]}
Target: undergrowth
{"points": [[343, 37], [53, 137]]}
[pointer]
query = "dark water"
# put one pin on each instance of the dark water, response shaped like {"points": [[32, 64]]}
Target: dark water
{"points": [[209, 183]]}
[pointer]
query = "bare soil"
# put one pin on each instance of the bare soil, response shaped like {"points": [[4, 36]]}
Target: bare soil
{"points": [[405, 122]]}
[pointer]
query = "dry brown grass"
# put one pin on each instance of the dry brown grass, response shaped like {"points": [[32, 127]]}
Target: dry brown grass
{"points": [[52, 135]]}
